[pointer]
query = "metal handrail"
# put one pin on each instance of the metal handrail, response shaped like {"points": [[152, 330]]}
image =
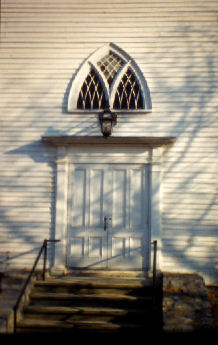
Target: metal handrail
{"points": [[43, 248], [154, 275]]}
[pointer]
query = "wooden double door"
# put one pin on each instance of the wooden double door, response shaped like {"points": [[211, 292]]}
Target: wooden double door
{"points": [[107, 226]]}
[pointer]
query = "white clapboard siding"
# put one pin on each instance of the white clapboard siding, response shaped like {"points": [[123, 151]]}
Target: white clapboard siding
{"points": [[175, 44]]}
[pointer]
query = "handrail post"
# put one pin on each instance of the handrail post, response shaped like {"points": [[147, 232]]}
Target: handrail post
{"points": [[44, 259], [15, 319], [154, 271]]}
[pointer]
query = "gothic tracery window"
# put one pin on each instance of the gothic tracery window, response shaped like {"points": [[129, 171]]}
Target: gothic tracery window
{"points": [[109, 78]]}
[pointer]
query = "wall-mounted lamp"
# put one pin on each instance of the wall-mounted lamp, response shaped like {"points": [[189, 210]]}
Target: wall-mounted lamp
{"points": [[107, 120]]}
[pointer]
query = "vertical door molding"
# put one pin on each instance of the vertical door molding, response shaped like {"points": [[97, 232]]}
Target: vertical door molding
{"points": [[61, 210]]}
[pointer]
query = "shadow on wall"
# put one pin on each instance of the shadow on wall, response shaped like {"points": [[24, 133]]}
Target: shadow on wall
{"points": [[193, 97]]}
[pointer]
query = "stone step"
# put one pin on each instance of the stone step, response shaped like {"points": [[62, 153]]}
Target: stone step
{"points": [[91, 290], [91, 299], [107, 274], [42, 309], [87, 285], [88, 313], [73, 325], [63, 296], [97, 283], [99, 301]]}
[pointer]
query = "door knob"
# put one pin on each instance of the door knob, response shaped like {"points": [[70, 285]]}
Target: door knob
{"points": [[105, 223]]}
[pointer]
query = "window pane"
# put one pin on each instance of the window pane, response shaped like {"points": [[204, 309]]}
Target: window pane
{"points": [[110, 65], [128, 94], [91, 95]]}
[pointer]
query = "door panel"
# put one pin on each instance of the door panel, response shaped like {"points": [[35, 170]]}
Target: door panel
{"points": [[136, 198], [77, 247], [78, 198], [107, 216], [96, 197], [119, 199], [87, 240]]}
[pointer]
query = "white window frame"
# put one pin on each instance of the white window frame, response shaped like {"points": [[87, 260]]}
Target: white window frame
{"points": [[91, 63]]}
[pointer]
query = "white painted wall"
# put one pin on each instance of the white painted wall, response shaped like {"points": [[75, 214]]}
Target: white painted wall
{"points": [[175, 45]]}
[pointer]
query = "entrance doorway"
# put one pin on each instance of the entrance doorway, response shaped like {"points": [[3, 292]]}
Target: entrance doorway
{"points": [[107, 218]]}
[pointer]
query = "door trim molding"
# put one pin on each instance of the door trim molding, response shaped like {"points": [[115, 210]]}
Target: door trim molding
{"points": [[61, 140], [116, 151]]}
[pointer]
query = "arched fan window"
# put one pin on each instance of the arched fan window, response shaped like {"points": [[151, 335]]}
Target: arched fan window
{"points": [[109, 78]]}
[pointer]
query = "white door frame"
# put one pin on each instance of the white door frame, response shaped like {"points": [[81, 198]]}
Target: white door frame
{"points": [[122, 154]]}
